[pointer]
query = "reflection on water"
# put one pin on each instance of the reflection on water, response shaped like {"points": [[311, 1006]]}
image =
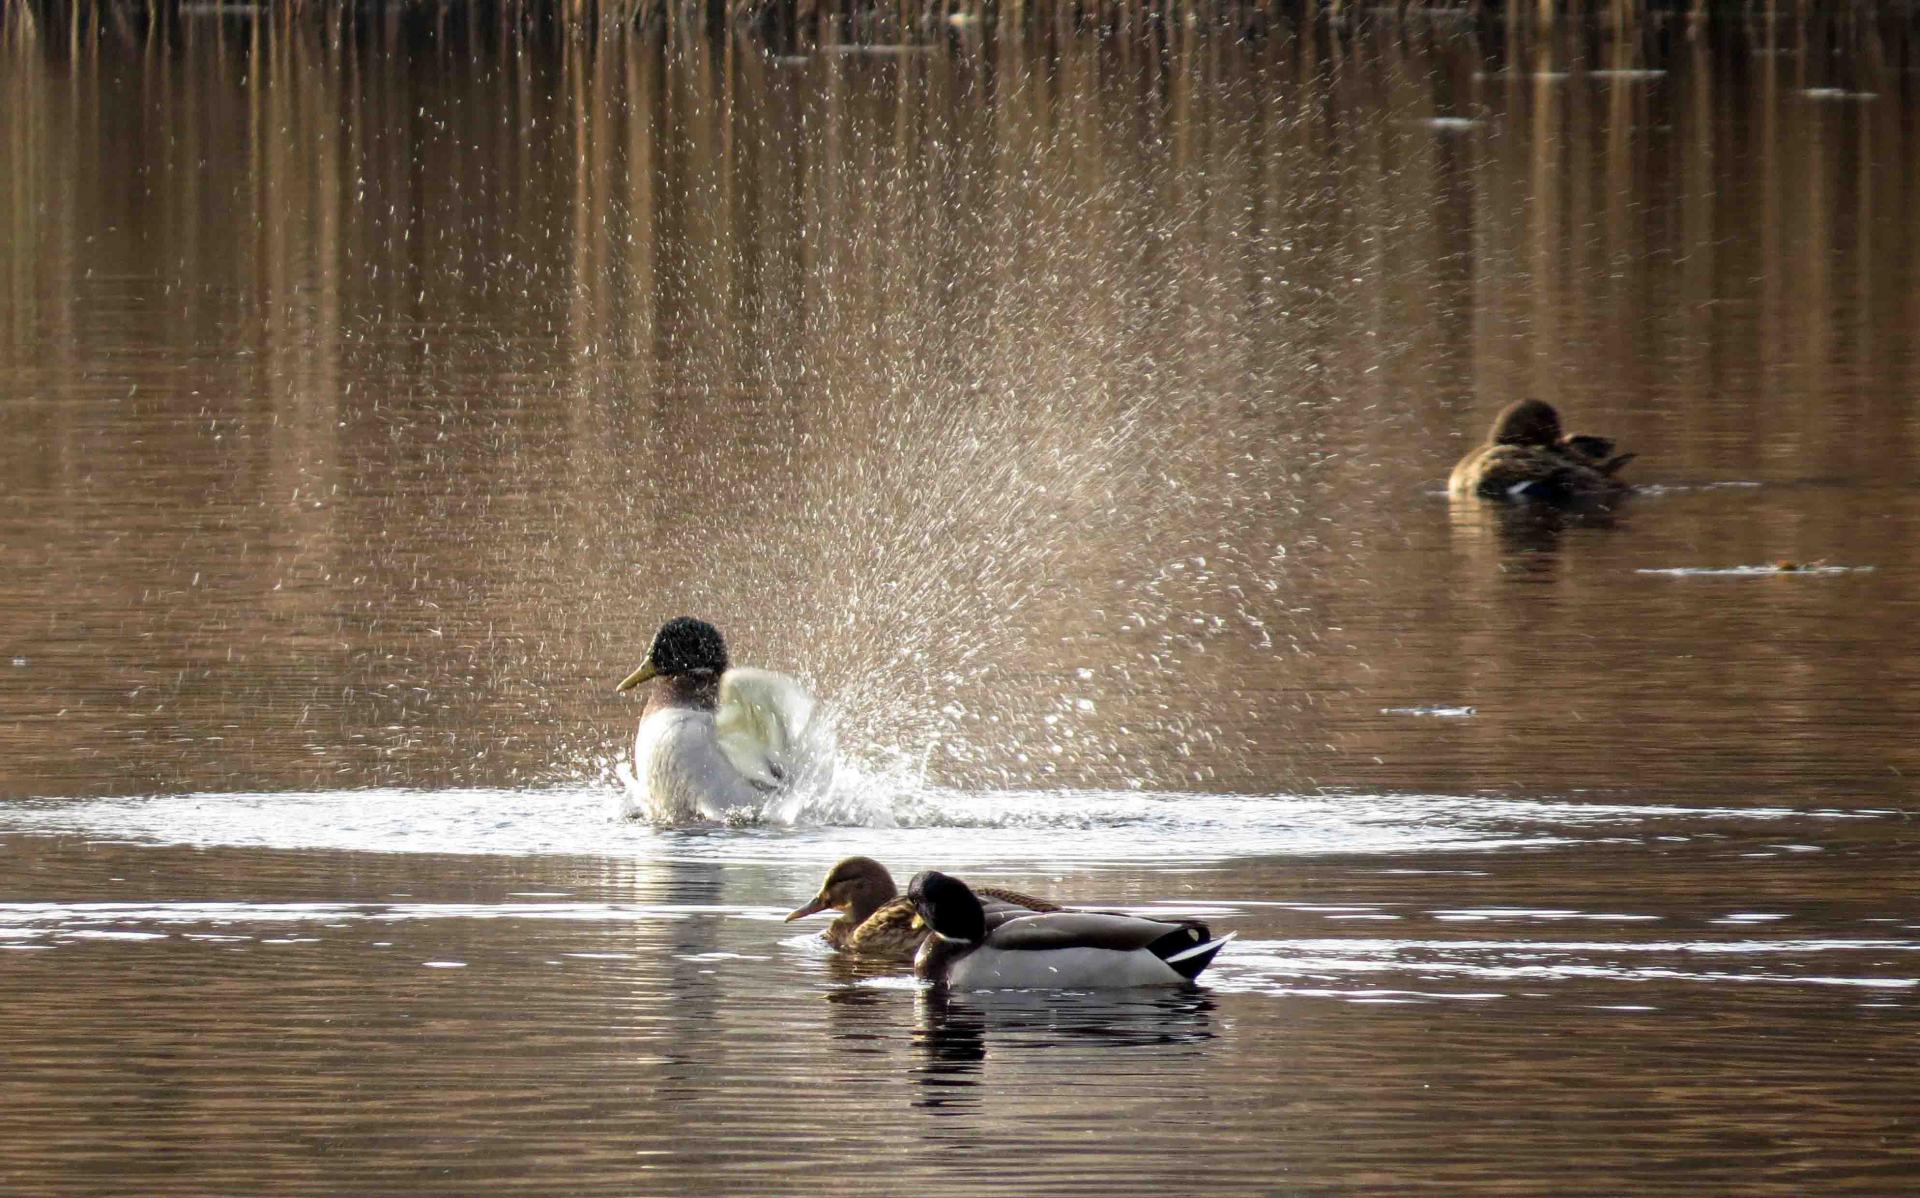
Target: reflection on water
{"points": [[1524, 538], [1068, 413], [1071, 412], [653, 1025], [1066, 1019], [996, 1039]]}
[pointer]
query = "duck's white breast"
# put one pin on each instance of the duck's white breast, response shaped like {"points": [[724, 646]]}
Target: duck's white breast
{"points": [[682, 773]]}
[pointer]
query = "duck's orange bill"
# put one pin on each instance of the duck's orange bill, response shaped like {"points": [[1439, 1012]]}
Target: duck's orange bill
{"points": [[815, 907]]}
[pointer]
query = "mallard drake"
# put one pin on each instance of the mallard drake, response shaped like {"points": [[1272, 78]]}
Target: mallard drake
{"points": [[1064, 949], [876, 922], [1526, 456], [714, 743]]}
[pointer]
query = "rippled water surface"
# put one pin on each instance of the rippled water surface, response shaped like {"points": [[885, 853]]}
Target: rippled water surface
{"points": [[1073, 415]]}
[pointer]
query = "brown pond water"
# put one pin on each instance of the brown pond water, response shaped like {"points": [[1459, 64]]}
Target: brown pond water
{"points": [[1073, 415]]}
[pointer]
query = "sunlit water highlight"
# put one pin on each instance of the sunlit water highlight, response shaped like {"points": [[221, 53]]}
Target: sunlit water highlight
{"points": [[1364, 967], [1070, 413], [1151, 829]]}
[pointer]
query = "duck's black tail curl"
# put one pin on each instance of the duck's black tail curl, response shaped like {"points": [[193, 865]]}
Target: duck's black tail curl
{"points": [[1188, 949]]}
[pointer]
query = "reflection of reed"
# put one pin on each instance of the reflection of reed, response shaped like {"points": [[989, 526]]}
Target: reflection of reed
{"points": [[882, 19], [446, 363]]}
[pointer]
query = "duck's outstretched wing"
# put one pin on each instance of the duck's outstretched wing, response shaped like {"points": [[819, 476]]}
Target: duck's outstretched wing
{"points": [[765, 725]]}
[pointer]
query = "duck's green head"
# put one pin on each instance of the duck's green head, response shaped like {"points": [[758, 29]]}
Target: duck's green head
{"points": [[683, 645], [948, 906], [1529, 422]]}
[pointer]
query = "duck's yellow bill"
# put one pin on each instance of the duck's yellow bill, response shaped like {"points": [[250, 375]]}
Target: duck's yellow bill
{"points": [[919, 924], [647, 670]]}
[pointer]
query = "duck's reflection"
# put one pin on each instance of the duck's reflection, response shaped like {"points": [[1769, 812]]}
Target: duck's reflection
{"points": [[951, 1042], [861, 1019], [852, 972], [1523, 534], [953, 1032]]}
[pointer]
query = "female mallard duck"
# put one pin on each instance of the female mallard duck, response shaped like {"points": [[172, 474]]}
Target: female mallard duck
{"points": [[715, 743], [1072, 949], [875, 922], [1527, 457]]}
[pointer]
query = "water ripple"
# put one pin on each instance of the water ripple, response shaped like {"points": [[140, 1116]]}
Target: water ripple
{"points": [[1329, 967]]}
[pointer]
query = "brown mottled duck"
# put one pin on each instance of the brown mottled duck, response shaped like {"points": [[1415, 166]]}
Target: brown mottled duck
{"points": [[1527, 457], [875, 922]]}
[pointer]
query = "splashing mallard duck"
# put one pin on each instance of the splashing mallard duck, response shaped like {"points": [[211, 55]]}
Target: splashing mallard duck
{"points": [[1527, 457], [877, 923], [716, 743], [1058, 950]]}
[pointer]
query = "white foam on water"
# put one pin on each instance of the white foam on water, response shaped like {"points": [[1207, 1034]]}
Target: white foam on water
{"points": [[1655, 490], [985, 828], [1305, 967], [1084, 827], [1767, 571]]}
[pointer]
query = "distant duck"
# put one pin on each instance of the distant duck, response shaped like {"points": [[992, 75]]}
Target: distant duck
{"points": [[1527, 457], [875, 922], [1059, 950], [716, 743]]}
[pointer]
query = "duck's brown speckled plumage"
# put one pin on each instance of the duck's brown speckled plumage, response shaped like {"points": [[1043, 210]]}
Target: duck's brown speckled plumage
{"points": [[1526, 456], [876, 923]]}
